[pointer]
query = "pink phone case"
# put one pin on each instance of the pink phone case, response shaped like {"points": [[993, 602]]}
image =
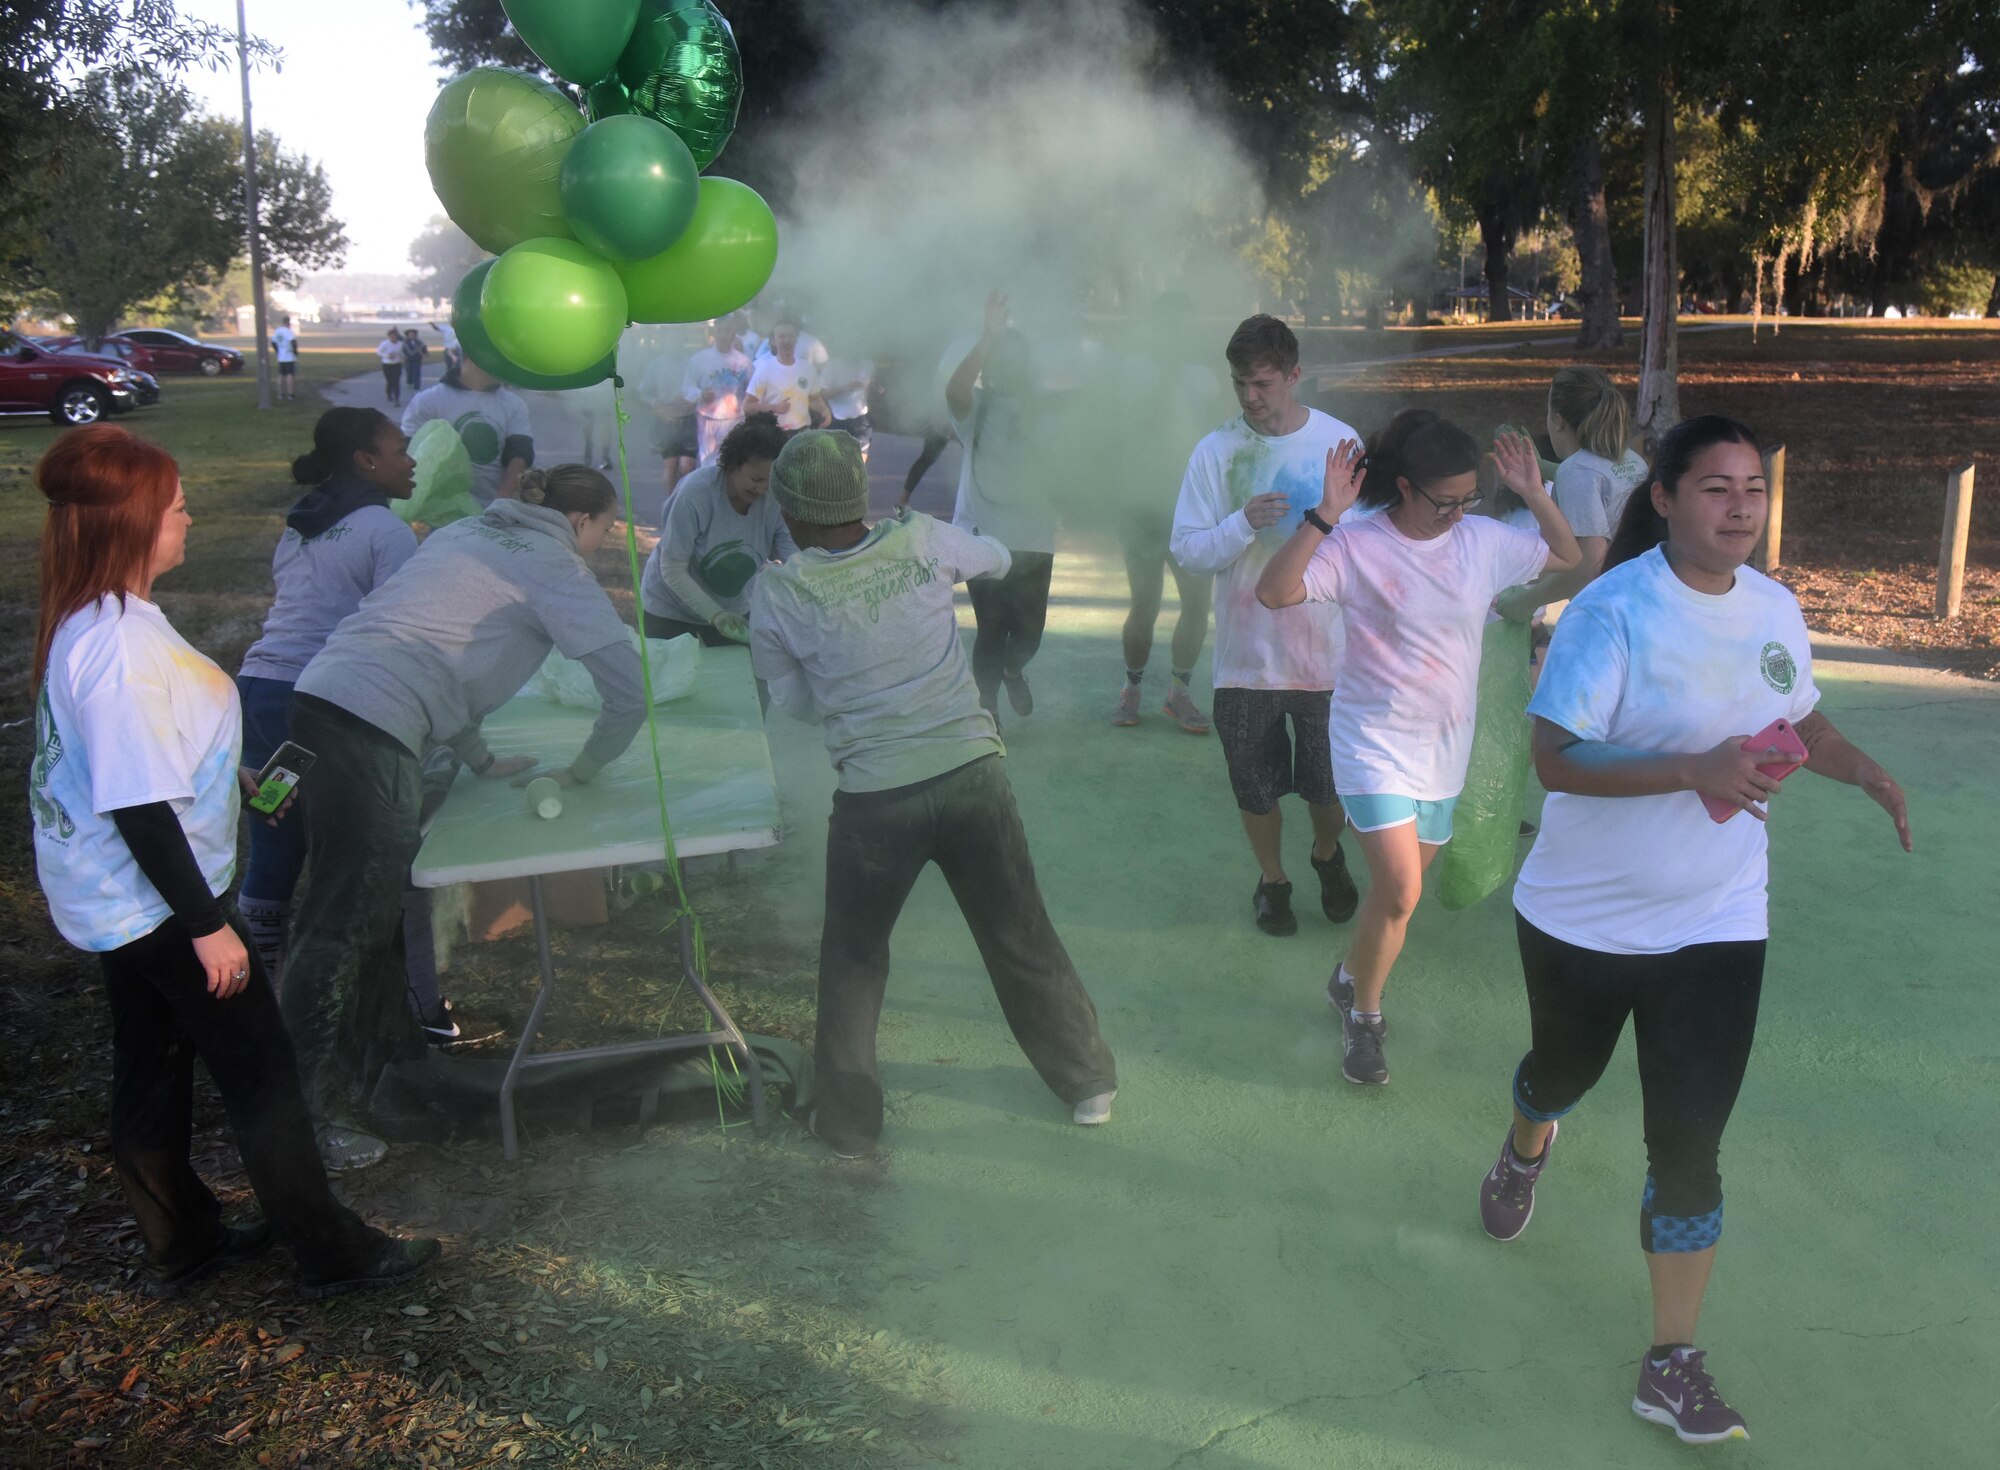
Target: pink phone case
{"points": [[1780, 735]]}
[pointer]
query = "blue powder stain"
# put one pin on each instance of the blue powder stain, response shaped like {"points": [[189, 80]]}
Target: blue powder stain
{"points": [[1303, 489]]}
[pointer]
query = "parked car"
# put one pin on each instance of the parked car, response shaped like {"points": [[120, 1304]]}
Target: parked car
{"points": [[145, 388], [136, 357], [71, 388], [173, 352]]}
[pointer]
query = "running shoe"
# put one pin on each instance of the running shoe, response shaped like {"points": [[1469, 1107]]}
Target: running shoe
{"points": [[1094, 1110], [1127, 713], [1338, 897], [1181, 708], [388, 1259], [345, 1150], [233, 1243], [1272, 904], [1361, 1059], [441, 1025], [1340, 995], [1507, 1198], [1019, 695], [1680, 1394]]}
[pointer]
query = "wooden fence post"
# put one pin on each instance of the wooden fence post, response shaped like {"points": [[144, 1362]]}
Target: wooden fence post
{"points": [[1951, 548], [1771, 549]]}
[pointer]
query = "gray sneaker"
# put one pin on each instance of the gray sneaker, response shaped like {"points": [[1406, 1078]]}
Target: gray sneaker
{"points": [[1680, 1394], [343, 1149], [1340, 995], [1361, 1059], [1507, 1197]]}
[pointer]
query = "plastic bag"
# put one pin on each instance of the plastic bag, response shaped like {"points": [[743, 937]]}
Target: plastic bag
{"points": [[676, 662], [443, 491], [1486, 828]]}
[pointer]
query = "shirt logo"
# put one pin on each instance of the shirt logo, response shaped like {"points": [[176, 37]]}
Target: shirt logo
{"points": [[1775, 664]]}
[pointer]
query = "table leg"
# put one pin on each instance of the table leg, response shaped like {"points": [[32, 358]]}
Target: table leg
{"points": [[510, 1144]]}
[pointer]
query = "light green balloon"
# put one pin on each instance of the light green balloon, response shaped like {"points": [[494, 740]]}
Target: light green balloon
{"points": [[719, 263], [494, 145], [552, 306]]}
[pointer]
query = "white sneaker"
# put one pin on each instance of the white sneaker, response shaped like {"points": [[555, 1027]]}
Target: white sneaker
{"points": [[1094, 1110], [1127, 713], [344, 1150]]}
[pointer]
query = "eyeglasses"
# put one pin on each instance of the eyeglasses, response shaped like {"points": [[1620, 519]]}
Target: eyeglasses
{"points": [[1446, 507]]}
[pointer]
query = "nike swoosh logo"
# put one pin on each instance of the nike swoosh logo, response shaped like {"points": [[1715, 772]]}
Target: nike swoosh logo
{"points": [[1674, 1404]]}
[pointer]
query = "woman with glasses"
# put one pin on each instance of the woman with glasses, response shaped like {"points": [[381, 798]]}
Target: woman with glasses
{"points": [[1413, 583]]}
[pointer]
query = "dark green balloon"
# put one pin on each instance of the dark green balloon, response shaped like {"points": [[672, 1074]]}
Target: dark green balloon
{"points": [[475, 344], [607, 98], [681, 68], [578, 40], [494, 145], [629, 187]]}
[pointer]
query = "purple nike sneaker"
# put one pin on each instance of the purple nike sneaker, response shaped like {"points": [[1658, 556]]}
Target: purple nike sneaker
{"points": [[1507, 1196], [1680, 1394]]}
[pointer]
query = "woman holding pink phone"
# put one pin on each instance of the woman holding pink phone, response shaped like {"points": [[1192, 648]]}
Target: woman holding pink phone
{"points": [[1634, 901]]}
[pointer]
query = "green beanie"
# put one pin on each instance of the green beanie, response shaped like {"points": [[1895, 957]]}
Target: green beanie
{"points": [[819, 478]]}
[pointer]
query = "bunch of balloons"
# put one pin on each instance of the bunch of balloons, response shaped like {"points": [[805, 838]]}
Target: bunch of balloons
{"points": [[598, 222]]}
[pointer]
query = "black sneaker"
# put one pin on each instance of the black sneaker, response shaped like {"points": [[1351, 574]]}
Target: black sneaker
{"points": [[1272, 903], [388, 1259], [1340, 995], [1361, 1058], [1338, 897], [234, 1243], [1019, 694], [441, 1025]]}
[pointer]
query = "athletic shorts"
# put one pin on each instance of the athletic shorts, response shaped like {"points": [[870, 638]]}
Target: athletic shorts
{"points": [[857, 428], [1265, 760], [288, 369], [1375, 813], [678, 438]]}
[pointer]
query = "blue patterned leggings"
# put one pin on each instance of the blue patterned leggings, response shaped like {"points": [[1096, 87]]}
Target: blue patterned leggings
{"points": [[1694, 1016]]}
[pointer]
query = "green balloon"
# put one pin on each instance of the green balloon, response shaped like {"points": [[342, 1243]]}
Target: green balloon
{"points": [[719, 263], [578, 40], [681, 68], [475, 344], [494, 146], [628, 187], [553, 306], [607, 98]]}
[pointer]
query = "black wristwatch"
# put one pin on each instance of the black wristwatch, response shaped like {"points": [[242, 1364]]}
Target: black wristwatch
{"points": [[1313, 519]]}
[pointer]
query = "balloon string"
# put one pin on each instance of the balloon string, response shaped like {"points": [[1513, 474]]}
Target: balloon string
{"points": [[684, 913]]}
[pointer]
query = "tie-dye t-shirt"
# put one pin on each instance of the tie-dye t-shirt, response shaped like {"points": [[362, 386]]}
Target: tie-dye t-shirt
{"points": [[720, 549], [1257, 647], [130, 714], [1642, 660], [866, 642], [1402, 714]]}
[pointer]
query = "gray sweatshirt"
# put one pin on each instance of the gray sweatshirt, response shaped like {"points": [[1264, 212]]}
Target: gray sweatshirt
{"points": [[321, 579], [708, 553], [866, 641], [468, 620]]}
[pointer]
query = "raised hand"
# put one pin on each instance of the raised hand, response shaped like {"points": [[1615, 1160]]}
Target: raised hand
{"points": [[1514, 456], [1346, 464]]}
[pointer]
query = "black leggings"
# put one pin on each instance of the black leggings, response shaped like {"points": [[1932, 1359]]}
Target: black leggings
{"points": [[1010, 612], [1694, 1016]]}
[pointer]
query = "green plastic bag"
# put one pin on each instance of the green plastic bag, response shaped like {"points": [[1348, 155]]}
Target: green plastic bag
{"points": [[443, 491], [1486, 827]]}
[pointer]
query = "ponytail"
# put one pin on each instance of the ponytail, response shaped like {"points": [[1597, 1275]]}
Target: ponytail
{"points": [[570, 489], [1642, 527], [1591, 404], [1419, 446], [340, 434]]}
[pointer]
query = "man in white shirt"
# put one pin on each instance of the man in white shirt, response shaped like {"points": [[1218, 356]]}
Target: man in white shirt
{"points": [[285, 343], [714, 383], [787, 383], [1248, 485]]}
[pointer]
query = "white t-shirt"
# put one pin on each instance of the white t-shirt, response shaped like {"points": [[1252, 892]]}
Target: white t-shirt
{"points": [[1644, 661], [286, 342], [1415, 612], [485, 422], [859, 371], [720, 377], [786, 388], [388, 350], [810, 350], [1003, 492], [130, 714], [1257, 647], [1592, 490]]}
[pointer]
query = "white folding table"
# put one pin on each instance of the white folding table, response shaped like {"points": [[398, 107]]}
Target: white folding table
{"points": [[722, 797]]}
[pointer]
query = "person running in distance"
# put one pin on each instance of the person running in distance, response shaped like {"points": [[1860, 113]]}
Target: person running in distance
{"points": [[414, 353], [1414, 584], [675, 425], [389, 353], [492, 422], [856, 632], [1167, 399], [1635, 901], [786, 383], [1002, 494], [722, 530], [285, 346], [1242, 494], [1589, 426], [848, 383], [714, 383]]}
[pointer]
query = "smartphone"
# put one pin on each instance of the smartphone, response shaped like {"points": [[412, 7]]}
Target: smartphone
{"points": [[281, 776], [1778, 735]]}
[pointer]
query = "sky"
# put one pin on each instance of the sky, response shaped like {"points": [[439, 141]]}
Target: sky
{"points": [[357, 81]]}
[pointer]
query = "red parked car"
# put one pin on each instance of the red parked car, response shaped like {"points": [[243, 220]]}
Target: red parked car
{"points": [[161, 351], [71, 388]]}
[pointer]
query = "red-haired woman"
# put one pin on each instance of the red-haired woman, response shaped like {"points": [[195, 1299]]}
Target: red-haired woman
{"points": [[135, 794]]}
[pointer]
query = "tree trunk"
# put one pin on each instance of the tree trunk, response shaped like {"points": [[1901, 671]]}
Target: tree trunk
{"points": [[1993, 300], [1499, 243], [1590, 222], [1659, 405]]}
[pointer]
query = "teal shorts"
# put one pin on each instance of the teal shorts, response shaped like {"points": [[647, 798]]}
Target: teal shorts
{"points": [[1374, 813]]}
